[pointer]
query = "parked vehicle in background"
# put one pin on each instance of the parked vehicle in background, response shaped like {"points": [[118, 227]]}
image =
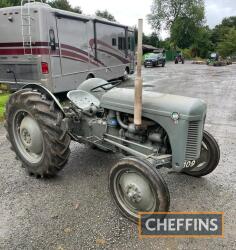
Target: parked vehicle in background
{"points": [[216, 60], [213, 58], [155, 60], [179, 58], [59, 49], [233, 58], [229, 60]]}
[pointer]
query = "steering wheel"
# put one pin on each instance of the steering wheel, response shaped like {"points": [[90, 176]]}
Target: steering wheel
{"points": [[113, 83]]}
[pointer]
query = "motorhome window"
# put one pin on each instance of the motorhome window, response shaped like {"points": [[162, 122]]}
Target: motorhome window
{"points": [[52, 39], [121, 43], [113, 41], [132, 43]]}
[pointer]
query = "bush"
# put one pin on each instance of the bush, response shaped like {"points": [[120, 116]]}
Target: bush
{"points": [[3, 101], [187, 53]]}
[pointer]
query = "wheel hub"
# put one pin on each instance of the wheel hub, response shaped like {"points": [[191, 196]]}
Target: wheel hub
{"points": [[133, 193], [31, 135], [136, 191], [26, 136]]}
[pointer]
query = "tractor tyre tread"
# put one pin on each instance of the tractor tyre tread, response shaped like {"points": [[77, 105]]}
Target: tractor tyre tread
{"points": [[49, 119]]}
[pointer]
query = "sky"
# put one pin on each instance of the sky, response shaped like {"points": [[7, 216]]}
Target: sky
{"points": [[128, 11]]}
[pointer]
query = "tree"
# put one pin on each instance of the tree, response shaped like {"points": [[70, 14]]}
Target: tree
{"points": [[165, 12], [4, 3], [64, 5], [77, 9], [183, 32], [154, 40], [202, 44], [105, 14], [229, 22], [185, 20], [227, 46], [58, 4], [166, 44], [150, 40], [8, 3], [221, 30]]}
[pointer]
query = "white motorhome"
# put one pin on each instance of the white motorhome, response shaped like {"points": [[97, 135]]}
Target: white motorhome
{"points": [[60, 49]]}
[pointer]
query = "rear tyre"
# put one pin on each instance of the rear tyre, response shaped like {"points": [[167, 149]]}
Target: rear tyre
{"points": [[176, 62], [163, 64], [35, 131], [209, 157], [126, 75], [90, 76], [136, 186]]}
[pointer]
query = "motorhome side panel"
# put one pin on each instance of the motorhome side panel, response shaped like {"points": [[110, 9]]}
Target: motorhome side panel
{"points": [[19, 62], [51, 32], [131, 50], [72, 46], [96, 67], [47, 23], [73, 43], [112, 48]]}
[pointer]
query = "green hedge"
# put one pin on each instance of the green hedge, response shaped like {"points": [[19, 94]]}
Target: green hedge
{"points": [[3, 100]]}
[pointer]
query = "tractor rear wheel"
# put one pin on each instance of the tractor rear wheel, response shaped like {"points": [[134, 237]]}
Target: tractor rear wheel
{"points": [[136, 186], [209, 157], [36, 133]]}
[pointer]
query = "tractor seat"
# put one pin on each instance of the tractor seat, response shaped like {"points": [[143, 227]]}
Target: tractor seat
{"points": [[82, 99]]}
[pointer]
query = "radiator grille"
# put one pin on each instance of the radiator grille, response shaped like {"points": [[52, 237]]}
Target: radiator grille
{"points": [[192, 141]]}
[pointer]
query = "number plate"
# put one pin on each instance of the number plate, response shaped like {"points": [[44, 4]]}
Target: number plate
{"points": [[189, 164]]}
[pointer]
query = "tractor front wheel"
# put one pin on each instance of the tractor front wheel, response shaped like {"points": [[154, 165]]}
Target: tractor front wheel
{"points": [[36, 133], [136, 186], [209, 157]]}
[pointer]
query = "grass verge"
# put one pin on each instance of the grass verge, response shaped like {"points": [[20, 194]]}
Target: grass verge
{"points": [[3, 100]]}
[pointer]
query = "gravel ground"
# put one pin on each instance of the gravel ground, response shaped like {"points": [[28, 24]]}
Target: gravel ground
{"points": [[75, 210]]}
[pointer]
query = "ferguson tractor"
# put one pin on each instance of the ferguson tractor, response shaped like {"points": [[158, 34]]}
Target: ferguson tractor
{"points": [[152, 130]]}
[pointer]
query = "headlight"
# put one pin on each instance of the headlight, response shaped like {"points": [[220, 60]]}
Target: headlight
{"points": [[175, 116]]}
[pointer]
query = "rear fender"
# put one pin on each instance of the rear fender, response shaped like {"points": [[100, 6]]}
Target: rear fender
{"points": [[45, 91], [91, 83]]}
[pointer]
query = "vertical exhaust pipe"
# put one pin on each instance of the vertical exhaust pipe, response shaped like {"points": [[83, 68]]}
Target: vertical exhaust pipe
{"points": [[138, 79]]}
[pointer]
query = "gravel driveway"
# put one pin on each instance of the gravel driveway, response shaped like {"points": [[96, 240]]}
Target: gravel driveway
{"points": [[75, 210]]}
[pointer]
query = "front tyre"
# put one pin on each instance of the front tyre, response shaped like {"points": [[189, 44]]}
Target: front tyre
{"points": [[136, 186], [35, 131], [209, 157]]}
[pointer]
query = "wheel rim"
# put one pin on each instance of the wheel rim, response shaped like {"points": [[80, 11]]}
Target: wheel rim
{"points": [[28, 137], [134, 192], [203, 161]]}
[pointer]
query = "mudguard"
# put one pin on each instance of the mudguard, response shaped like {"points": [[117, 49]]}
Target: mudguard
{"points": [[45, 91]]}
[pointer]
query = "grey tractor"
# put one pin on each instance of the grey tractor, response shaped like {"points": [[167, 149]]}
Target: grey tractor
{"points": [[40, 127]]}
